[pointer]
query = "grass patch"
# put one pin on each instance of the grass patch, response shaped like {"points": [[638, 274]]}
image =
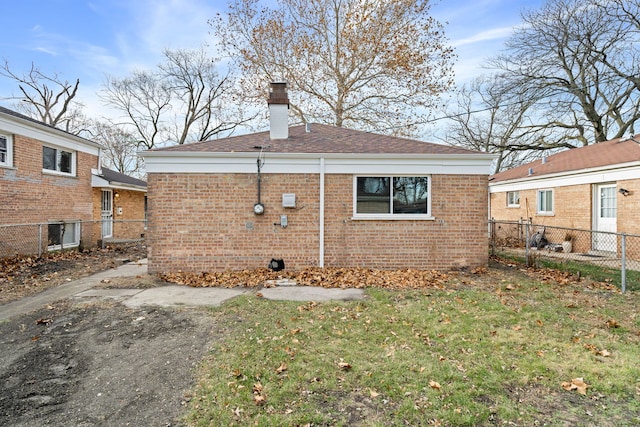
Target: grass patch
{"points": [[490, 350], [597, 273]]}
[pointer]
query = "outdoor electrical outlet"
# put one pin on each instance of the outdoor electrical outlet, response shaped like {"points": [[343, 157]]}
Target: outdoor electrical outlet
{"points": [[284, 221]]}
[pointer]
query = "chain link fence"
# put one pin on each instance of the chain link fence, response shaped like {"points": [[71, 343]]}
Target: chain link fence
{"points": [[603, 256], [38, 239]]}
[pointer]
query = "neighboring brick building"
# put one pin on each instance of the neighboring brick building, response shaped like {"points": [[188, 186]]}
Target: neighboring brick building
{"points": [[593, 187], [45, 177], [315, 196], [119, 203]]}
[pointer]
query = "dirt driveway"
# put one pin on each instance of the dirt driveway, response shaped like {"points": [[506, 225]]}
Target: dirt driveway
{"points": [[96, 363], [100, 364]]}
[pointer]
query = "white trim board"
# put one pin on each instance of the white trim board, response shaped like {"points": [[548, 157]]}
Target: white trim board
{"points": [[582, 178]]}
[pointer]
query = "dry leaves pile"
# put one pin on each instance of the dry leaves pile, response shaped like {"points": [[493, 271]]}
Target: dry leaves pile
{"points": [[320, 277]]}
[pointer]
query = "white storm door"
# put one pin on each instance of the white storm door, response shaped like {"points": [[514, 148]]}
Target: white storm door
{"points": [[107, 213], [605, 218]]}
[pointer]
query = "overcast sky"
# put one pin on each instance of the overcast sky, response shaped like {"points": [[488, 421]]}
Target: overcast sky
{"points": [[89, 39]]}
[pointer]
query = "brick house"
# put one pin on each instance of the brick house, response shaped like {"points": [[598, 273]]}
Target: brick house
{"points": [[315, 195], [45, 177], [119, 203], [593, 187]]}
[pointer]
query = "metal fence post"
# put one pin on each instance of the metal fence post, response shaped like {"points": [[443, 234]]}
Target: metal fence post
{"points": [[623, 262], [526, 244], [39, 240]]}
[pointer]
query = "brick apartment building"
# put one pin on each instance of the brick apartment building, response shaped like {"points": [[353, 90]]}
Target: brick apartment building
{"points": [[45, 177], [315, 195], [54, 178]]}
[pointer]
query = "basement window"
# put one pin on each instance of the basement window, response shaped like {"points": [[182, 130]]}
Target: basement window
{"points": [[62, 235], [392, 197]]}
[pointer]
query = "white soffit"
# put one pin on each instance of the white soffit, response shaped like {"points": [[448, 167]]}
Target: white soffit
{"points": [[582, 177], [49, 136], [160, 162]]}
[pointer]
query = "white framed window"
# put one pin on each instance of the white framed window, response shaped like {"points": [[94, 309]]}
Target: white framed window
{"points": [[392, 197], [6, 150], [544, 204], [58, 160], [513, 199], [63, 235]]}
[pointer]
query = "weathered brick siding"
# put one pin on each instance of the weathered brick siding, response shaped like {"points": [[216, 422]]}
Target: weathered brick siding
{"points": [[204, 222], [29, 195]]}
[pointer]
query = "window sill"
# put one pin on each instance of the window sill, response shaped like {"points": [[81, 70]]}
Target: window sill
{"points": [[59, 247], [545, 214], [56, 173], [375, 217], [513, 206], [7, 166]]}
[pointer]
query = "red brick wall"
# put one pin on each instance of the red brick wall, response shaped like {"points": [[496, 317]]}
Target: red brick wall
{"points": [[27, 195], [201, 222], [129, 224], [573, 207]]}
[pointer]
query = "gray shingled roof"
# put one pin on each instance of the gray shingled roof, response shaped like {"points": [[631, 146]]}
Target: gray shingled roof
{"points": [[321, 139], [608, 153], [120, 178]]}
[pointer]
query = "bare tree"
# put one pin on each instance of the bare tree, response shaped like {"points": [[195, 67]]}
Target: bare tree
{"points": [[368, 64], [183, 100], [490, 119], [575, 60], [120, 151], [47, 98]]}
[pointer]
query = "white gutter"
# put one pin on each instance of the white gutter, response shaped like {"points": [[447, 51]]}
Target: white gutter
{"points": [[321, 258]]}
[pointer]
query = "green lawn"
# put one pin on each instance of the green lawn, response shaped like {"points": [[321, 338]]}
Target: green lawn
{"points": [[490, 349]]}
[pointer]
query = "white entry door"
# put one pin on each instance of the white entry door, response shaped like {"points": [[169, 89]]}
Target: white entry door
{"points": [[107, 213], [605, 218]]}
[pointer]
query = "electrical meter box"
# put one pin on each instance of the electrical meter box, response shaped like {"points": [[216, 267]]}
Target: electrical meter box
{"points": [[288, 200]]}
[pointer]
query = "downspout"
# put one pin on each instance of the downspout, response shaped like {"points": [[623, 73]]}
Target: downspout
{"points": [[321, 258]]}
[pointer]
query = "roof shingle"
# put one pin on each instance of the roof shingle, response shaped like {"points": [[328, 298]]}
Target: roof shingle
{"points": [[321, 139], [612, 152]]}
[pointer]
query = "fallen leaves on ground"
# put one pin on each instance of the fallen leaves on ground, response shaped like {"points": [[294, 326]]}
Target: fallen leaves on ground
{"points": [[320, 277], [576, 384]]}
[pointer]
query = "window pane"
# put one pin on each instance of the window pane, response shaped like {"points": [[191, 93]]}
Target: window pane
{"points": [[54, 234], [608, 202], [3, 149], [545, 201], [68, 232], [65, 162], [373, 195], [410, 195], [513, 198], [48, 158]]}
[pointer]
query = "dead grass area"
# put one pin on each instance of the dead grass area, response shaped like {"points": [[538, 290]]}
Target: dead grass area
{"points": [[28, 275]]}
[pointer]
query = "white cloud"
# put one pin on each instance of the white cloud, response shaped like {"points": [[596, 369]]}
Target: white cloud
{"points": [[486, 35]]}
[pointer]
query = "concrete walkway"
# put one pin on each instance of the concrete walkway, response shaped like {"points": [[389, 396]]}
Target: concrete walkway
{"points": [[165, 296]]}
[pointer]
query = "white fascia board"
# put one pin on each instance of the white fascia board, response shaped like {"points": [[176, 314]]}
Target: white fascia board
{"points": [[585, 176], [188, 162], [48, 135]]}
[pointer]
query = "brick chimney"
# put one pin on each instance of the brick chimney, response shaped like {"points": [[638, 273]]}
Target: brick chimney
{"points": [[278, 111]]}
